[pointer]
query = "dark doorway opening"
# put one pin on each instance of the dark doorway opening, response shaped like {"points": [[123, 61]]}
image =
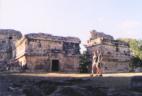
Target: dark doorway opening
{"points": [[55, 65]]}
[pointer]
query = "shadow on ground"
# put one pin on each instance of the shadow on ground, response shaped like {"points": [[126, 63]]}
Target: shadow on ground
{"points": [[28, 85]]}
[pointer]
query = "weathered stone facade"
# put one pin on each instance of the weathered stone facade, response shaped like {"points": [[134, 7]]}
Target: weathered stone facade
{"points": [[8, 39], [40, 51], [46, 52], [116, 54]]}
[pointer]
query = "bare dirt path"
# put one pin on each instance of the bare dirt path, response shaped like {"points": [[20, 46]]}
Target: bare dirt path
{"points": [[77, 74]]}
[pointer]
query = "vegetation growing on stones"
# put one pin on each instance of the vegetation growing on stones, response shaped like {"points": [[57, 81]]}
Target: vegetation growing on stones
{"points": [[136, 50]]}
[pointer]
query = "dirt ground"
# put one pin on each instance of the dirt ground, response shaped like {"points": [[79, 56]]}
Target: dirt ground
{"points": [[61, 84], [77, 75]]}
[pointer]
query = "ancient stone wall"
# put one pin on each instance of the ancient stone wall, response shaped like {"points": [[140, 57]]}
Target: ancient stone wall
{"points": [[44, 52], [116, 54], [95, 35], [8, 38]]}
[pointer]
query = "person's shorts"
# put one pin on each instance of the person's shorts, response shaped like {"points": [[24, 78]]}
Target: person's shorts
{"points": [[99, 65]]}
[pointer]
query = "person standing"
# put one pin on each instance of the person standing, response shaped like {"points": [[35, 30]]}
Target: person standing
{"points": [[97, 62]]}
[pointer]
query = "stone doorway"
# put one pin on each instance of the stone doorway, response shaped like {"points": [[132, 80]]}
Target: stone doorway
{"points": [[55, 65]]}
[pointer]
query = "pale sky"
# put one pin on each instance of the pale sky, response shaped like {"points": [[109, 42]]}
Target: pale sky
{"points": [[119, 18]]}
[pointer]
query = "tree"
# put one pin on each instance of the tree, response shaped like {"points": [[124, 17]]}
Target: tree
{"points": [[84, 62], [136, 50]]}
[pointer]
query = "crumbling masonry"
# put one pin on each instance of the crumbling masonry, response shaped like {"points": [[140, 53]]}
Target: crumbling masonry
{"points": [[45, 52], [39, 51], [8, 39], [116, 54]]}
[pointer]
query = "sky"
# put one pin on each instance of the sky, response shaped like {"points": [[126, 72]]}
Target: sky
{"points": [[119, 18]]}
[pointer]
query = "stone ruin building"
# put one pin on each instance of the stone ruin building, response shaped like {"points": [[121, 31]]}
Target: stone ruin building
{"points": [[8, 39], [38, 51], [46, 52], [116, 54]]}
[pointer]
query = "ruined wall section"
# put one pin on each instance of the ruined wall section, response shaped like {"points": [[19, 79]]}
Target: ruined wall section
{"points": [[45, 42], [8, 37], [95, 35], [71, 48], [40, 49], [116, 54], [52, 38]]}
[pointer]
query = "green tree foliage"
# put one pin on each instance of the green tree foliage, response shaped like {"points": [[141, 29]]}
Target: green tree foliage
{"points": [[84, 62], [136, 49]]}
